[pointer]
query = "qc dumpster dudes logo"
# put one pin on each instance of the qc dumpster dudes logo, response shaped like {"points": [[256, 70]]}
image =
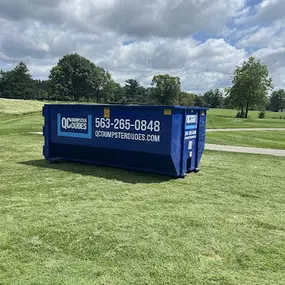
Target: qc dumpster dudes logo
{"points": [[74, 127], [191, 119]]}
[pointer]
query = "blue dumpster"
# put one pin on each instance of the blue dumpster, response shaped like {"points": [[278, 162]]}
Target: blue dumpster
{"points": [[167, 140]]}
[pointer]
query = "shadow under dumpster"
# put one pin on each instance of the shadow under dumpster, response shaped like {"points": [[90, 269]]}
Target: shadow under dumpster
{"points": [[111, 173]]}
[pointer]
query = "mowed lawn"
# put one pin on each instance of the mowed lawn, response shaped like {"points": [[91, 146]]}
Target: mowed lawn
{"points": [[223, 118], [262, 139], [77, 224]]}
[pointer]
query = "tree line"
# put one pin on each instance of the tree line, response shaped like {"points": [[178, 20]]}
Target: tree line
{"points": [[76, 78]]}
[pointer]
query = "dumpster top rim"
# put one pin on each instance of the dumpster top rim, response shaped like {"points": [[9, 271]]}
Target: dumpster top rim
{"points": [[131, 106]]}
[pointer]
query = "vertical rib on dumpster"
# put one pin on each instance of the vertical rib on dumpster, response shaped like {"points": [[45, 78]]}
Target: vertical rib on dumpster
{"points": [[201, 136], [182, 161]]}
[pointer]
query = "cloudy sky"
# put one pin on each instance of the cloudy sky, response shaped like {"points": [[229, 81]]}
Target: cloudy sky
{"points": [[201, 41]]}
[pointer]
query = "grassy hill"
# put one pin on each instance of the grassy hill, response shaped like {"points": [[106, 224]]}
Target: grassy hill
{"points": [[23, 107], [20, 107]]}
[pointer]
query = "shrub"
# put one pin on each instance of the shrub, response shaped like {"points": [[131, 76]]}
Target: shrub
{"points": [[261, 115]]}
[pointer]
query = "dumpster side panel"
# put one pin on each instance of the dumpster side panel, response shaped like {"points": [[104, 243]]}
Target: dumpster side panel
{"points": [[132, 138]]}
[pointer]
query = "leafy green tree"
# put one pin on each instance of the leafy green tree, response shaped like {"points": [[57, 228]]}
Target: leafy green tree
{"points": [[227, 102], [277, 101], [251, 82], [119, 94], [167, 89], [150, 96], [77, 78], [186, 99], [41, 87], [213, 98], [108, 89], [198, 101]]}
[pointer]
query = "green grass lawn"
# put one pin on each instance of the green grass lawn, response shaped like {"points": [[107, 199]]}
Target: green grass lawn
{"points": [[77, 224], [263, 139], [223, 118], [217, 118]]}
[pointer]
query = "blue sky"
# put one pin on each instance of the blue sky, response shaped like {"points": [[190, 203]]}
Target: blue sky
{"points": [[201, 41]]}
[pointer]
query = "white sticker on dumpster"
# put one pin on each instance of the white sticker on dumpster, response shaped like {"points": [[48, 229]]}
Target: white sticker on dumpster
{"points": [[191, 119], [190, 144]]}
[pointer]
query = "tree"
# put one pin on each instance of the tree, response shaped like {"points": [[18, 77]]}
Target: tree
{"points": [[134, 92], [107, 90], [6, 81], [277, 101], [41, 87], [213, 98], [186, 99], [119, 94], [228, 103], [198, 101], [150, 96], [251, 82], [167, 89], [17, 83], [77, 78]]}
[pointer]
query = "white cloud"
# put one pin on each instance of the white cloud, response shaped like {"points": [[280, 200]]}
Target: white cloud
{"points": [[264, 36], [278, 78], [271, 10], [265, 12]]}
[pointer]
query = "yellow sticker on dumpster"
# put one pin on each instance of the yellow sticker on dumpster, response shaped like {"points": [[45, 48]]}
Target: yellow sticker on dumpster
{"points": [[106, 113], [167, 112]]}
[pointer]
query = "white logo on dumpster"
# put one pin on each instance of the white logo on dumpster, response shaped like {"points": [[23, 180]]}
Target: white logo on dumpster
{"points": [[74, 123], [191, 119], [74, 127]]}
